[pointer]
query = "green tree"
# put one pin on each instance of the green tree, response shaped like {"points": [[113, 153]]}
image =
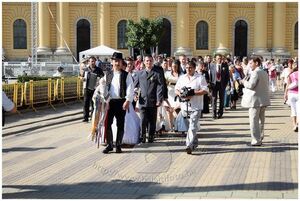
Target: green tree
{"points": [[144, 34]]}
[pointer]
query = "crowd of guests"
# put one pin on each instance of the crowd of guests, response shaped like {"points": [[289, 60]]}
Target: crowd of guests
{"points": [[172, 94]]}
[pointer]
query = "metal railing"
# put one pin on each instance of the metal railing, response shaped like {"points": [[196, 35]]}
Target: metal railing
{"points": [[48, 91], [15, 69]]}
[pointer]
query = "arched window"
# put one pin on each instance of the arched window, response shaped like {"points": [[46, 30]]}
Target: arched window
{"points": [[164, 45], [240, 38], [296, 36], [122, 39], [20, 35], [83, 29], [202, 36]]}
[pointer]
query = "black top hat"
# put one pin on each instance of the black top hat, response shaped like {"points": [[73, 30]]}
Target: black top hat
{"points": [[117, 55]]}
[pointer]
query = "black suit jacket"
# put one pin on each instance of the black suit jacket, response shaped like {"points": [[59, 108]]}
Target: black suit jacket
{"points": [[151, 86], [225, 76], [161, 71], [182, 70]]}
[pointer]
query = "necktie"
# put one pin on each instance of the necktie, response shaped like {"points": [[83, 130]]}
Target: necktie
{"points": [[219, 72]]}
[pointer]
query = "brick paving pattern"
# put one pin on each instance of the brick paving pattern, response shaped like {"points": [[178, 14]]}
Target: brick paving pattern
{"points": [[57, 161]]}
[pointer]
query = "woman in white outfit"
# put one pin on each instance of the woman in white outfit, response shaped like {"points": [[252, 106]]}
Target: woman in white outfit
{"points": [[171, 78], [286, 71], [291, 95]]}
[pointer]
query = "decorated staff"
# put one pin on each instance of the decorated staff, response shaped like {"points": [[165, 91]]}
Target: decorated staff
{"points": [[99, 114]]}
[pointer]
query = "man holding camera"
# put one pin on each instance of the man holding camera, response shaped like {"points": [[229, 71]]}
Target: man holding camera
{"points": [[191, 87]]}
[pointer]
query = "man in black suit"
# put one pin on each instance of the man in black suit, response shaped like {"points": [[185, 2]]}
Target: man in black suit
{"points": [[221, 81], [183, 62], [161, 71], [150, 83]]}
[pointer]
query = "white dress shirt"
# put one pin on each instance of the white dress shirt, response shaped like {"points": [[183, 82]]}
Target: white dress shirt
{"points": [[115, 86], [196, 82]]}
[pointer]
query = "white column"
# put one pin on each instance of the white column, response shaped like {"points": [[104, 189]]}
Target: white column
{"points": [[260, 29], [222, 10], [143, 9], [63, 34], [279, 21], [103, 9], [43, 29], [182, 30]]}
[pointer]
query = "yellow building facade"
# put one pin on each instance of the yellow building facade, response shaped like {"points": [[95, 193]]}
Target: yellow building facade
{"points": [[235, 28]]}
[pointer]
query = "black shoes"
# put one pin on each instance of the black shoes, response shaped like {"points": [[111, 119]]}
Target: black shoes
{"points": [[142, 140], [151, 139], [295, 129], [118, 149], [254, 145], [233, 107], [85, 120], [110, 148], [188, 150], [107, 149]]}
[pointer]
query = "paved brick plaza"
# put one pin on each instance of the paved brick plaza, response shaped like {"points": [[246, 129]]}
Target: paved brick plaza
{"points": [[58, 161]]}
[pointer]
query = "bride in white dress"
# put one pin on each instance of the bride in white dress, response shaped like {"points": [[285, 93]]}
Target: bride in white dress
{"points": [[171, 78], [131, 124]]}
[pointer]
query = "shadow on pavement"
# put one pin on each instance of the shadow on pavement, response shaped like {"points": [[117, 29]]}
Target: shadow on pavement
{"points": [[122, 189], [266, 147], [25, 149], [30, 130], [218, 147]]}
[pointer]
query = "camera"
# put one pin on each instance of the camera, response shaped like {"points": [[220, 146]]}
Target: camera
{"points": [[186, 91]]}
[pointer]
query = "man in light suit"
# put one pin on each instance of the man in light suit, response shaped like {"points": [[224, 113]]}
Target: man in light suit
{"points": [[150, 83], [256, 98]]}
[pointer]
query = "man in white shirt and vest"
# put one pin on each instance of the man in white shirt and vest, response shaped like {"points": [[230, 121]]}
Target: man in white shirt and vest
{"points": [[198, 87], [119, 84]]}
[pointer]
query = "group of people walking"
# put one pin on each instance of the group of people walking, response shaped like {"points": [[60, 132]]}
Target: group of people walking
{"points": [[167, 93]]}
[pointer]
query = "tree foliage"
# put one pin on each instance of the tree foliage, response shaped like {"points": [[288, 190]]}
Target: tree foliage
{"points": [[144, 34]]}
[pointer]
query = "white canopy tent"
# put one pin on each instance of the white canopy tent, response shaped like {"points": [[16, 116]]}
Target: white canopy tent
{"points": [[102, 51]]}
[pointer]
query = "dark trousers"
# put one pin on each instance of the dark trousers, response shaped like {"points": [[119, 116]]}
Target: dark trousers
{"points": [[87, 101], [116, 110], [205, 104], [218, 93], [148, 120], [3, 117]]}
